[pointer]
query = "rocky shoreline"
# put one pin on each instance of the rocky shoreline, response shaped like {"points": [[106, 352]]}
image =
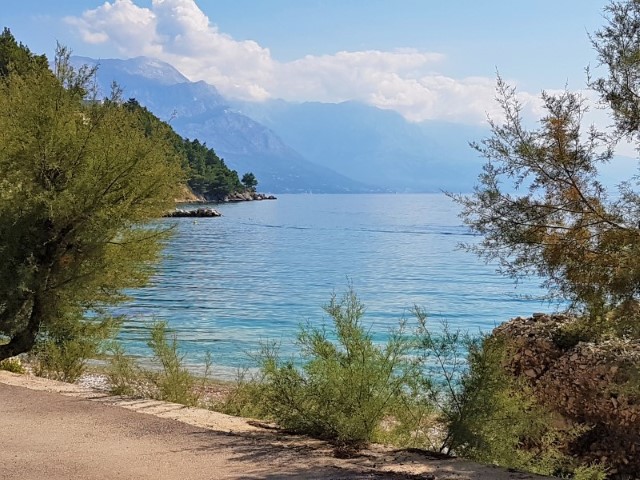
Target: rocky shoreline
{"points": [[187, 197], [194, 213], [206, 212], [247, 197]]}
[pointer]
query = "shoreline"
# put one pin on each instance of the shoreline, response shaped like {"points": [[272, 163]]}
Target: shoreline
{"points": [[194, 199]]}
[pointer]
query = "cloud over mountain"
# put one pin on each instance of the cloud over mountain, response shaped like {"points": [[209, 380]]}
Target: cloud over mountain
{"points": [[178, 32]]}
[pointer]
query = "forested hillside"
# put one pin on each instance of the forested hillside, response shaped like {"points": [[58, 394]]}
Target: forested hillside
{"points": [[206, 174]]}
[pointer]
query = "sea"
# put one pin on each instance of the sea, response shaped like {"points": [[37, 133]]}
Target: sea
{"points": [[230, 284]]}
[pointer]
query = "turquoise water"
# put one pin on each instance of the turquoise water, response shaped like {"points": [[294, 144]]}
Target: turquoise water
{"points": [[255, 274]]}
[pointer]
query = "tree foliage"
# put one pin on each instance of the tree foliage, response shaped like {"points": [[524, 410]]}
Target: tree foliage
{"points": [[17, 58], [249, 181], [538, 204], [79, 180], [207, 174], [618, 47], [558, 222]]}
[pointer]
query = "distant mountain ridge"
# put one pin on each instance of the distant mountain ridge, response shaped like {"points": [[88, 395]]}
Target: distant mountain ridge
{"points": [[300, 147], [376, 146], [197, 110]]}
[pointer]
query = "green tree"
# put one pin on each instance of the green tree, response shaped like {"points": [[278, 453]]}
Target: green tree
{"points": [[206, 173], [553, 218], [79, 182], [618, 47], [17, 58], [249, 181]]}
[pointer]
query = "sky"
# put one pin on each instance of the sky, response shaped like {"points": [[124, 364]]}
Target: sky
{"points": [[424, 59]]}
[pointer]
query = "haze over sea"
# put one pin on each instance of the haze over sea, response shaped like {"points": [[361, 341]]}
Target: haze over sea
{"points": [[262, 269]]}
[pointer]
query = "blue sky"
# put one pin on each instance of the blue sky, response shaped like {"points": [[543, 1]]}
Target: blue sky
{"points": [[425, 59]]}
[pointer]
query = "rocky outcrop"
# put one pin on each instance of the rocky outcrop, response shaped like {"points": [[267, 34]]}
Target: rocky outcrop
{"points": [[194, 213], [591, 385], [247, 197], [186, 195]]}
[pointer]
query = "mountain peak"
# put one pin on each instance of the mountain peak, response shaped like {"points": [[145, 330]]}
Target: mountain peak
{"points": [[140, 67]]}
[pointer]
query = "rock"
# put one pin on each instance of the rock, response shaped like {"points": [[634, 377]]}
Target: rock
{"points": [[247, 197], [593, 386], [196, 213], [186, 195]]}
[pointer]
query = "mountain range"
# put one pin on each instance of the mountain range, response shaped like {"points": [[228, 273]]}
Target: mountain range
{"points": [[302, 147]]}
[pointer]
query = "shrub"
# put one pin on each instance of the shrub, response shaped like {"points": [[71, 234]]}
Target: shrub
{"points": [[246, 399], [568, 335], [590, 472], [171, 382], [125, 377], [489, 416], [342, 389], [174, 382], [64, 347], [12, 364]]}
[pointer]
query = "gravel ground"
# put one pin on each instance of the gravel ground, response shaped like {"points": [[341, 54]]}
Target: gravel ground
{"points": [[58, 431]]}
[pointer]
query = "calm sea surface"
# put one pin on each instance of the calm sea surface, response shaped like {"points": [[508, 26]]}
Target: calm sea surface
{"points": [[255, 274]]}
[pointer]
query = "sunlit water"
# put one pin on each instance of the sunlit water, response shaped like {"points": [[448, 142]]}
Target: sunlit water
{"points": [[226, 284]]}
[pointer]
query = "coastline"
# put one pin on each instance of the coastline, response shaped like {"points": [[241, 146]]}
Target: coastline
{"points": [[188, 197]]}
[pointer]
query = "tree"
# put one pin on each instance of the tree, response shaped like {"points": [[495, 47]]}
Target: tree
{"points": [[79, 182], [618, 47], [538, 205], [249, 181], [558, 222], [18, 58], [206, 173]]}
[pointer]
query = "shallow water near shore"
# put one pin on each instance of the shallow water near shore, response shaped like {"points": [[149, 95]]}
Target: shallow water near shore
{"points": [[263, 268]]}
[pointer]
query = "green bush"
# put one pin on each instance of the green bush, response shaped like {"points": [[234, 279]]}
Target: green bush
{"points": [[125, 377], [171, 382], [590, 472], [174, 382], [246, 399], [65, 346], [489, 416], [569, 335], [342, 388], [12, 364]]}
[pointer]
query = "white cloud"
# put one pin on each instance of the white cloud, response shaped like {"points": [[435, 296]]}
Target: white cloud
{"points": [[120, 23], [178, 32]]}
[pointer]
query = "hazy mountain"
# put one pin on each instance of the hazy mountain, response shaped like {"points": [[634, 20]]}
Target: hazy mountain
{"points": [[295, 147], [197, 110], [376, 146], [134, 72]]}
